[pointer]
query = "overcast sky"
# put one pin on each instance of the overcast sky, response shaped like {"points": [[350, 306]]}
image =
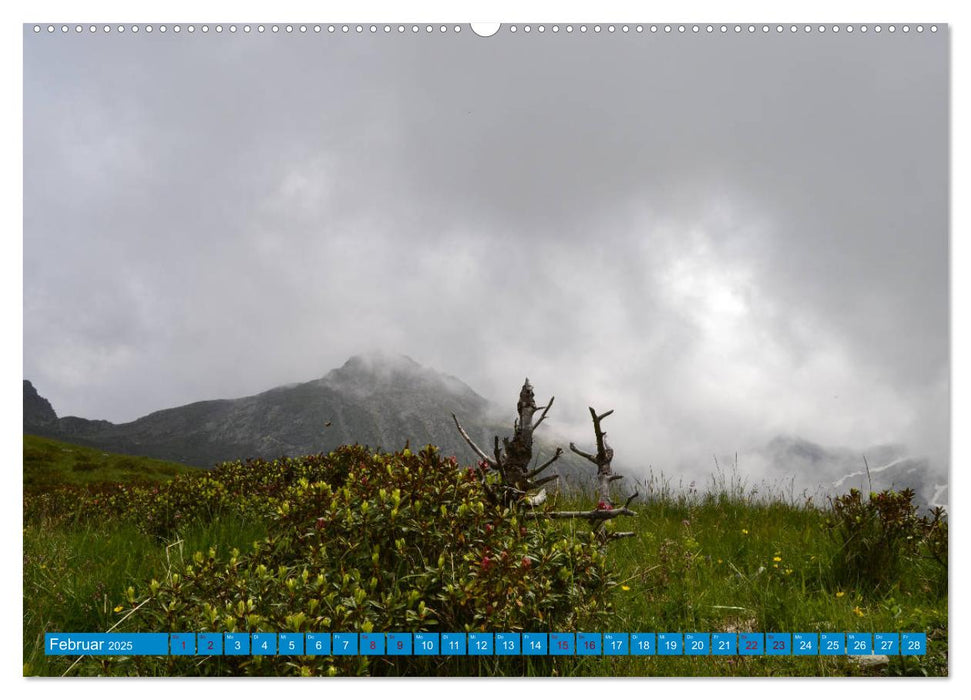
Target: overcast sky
{"points": [[724, 238]]}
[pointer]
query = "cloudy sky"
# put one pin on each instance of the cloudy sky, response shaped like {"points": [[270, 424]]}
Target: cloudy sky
{"points": [[723, 237]]}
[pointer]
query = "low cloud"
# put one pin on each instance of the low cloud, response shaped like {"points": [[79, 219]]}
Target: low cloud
{"points": [[723, 240]]}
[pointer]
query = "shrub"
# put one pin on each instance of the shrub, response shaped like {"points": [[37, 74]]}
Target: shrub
{"points": [[84, 466], [378, 542], [875, 536]]}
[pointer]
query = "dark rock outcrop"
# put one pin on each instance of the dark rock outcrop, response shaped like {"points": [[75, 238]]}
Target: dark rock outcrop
{"points": [[38, 412]]}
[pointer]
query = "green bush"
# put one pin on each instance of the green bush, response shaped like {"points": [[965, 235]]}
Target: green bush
{"points": [[374, 542], [876, 535]]}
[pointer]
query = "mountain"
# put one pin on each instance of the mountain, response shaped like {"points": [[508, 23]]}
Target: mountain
{"points": [[37, 410], [378, 400], [383, 400], [839, 469]]}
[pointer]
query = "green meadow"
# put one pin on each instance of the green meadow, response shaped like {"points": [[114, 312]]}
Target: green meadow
{"points": [[50, 463], [356, 541]]}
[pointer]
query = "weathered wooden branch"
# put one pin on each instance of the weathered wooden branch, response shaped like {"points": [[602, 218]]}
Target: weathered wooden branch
{"points": [[586, 455], [499, 460], [546, 409], [471, 443], [603, 458], [596, 515], [601, 446], [544, 480], [513, 457], [605, 509], [539, 469]]}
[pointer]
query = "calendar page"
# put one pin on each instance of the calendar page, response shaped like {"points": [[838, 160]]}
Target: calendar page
{"points": [[436, 349]]}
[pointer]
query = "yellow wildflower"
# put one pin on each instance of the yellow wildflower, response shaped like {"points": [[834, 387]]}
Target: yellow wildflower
{"points": [[840, 594], [859, 613], [119, 608], [744, 531], [776, 558], [625, 588]]}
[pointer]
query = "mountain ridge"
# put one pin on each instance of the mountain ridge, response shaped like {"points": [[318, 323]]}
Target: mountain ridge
{"points": [[383, 400], [372, 399]]}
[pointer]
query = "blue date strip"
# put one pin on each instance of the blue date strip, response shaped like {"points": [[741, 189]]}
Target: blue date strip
{"points": [[484, 644]]}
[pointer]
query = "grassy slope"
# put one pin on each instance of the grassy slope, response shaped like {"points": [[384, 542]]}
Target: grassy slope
{"points": [[723, 565], [49, 462], [723, 562]]}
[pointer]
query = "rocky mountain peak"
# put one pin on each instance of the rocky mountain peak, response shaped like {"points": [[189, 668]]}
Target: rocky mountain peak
{"points": [[383, 372], [37, 410]]}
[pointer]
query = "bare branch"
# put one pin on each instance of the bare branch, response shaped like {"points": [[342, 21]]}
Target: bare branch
{"points": [[546, 409], [587, 455], [633, 496], [592, 515], [539, 469], [544, 480], [475, 448], [499, 460], [614, 477], [601, 448]]}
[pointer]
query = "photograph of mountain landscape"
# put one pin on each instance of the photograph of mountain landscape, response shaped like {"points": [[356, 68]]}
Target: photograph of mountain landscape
{"points": [[608, 334]]}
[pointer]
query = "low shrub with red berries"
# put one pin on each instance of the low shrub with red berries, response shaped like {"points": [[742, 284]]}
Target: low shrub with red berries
{"points": [[366, 542]]}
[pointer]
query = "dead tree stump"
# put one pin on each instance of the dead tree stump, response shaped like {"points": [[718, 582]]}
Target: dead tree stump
{"points": [[513, 457], [605, 506]]}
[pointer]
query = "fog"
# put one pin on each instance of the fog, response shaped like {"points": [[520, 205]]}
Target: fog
{"points": [[724, 238]]}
